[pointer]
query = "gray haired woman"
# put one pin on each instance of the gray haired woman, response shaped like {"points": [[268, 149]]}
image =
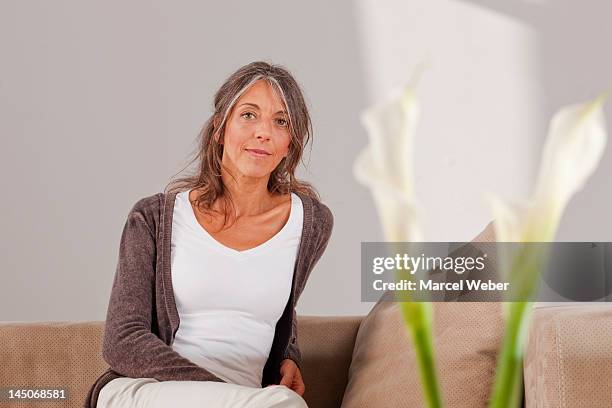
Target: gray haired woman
{"points": [[202, 307]]}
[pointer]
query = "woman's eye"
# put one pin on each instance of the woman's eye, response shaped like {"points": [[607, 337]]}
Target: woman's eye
{"points": [[247, 115], [282, 122]]}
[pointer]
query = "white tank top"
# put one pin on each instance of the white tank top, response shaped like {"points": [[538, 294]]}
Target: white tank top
{"points": [[229, 301]]}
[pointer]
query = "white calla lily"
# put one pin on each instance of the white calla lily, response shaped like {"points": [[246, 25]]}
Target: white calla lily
{"points": [[573, 150], [385, 165], [574, 147]]}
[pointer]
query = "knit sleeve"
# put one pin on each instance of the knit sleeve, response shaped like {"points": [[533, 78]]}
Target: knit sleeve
{"points": [[292, 351], [129, 346], [327, 223]]}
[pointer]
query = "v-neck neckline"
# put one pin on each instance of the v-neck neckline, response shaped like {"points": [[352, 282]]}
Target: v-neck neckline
{"points": [[167, 201], [245, 253]]}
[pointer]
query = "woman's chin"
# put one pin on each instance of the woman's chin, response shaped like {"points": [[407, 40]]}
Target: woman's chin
{"points": [[255, 172]]}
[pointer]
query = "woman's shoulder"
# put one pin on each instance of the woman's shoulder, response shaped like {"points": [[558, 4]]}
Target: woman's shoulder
{"points": [[149, 208], [149, 203], [320, 212]]}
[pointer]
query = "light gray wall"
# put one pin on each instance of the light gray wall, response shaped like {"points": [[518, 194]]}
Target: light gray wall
{"points": [[100, 104]]}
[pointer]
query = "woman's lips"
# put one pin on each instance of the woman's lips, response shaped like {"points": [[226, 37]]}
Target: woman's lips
{"points": [[257, 152]]}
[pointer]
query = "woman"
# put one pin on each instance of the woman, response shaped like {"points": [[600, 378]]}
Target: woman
{"points": [[202, 307]]}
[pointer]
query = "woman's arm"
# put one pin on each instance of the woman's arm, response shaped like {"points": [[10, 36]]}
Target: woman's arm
{"points": [[293, 351], [129, 346], [327, 224]]}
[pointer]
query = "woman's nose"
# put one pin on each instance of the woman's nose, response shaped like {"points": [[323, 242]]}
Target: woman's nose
{"points": [[264, 130]]}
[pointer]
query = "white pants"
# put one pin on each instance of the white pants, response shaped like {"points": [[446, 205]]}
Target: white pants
{"points": [[128, 392]]}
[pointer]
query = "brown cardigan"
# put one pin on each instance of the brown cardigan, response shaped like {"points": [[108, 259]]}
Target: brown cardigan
{"points": [[142, 318]]}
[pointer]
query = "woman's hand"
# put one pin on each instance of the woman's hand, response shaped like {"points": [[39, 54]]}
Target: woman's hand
{"points": [[292, 377]]}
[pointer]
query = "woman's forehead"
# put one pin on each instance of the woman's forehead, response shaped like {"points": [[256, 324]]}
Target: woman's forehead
{"points": [[262, 92]]}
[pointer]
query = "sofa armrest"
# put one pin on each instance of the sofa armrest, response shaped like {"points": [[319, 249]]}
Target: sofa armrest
{"points": [[326, 344], [568, 359]]}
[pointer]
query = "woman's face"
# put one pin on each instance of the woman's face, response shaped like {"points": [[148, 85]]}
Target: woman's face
{"points": [[258, 122]]}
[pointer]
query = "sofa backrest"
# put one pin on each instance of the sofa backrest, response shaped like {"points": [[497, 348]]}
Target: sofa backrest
{"points": [[51, 355], [67, 355], [327, 346]]}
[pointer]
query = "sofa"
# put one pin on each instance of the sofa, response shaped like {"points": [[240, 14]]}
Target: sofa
{"points": [[568, 360]]}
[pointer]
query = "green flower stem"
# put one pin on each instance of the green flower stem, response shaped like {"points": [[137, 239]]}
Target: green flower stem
{"points": [[507, 388], [524, 275], [418, 319], [417, 316]]}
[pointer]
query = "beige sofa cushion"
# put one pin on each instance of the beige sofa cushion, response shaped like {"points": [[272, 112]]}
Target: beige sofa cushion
{"points": [[568, 359], [384, 372]]}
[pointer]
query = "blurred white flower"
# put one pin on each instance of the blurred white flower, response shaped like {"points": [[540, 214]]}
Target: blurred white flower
{"points": [[385, 165], [573, 149]]}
